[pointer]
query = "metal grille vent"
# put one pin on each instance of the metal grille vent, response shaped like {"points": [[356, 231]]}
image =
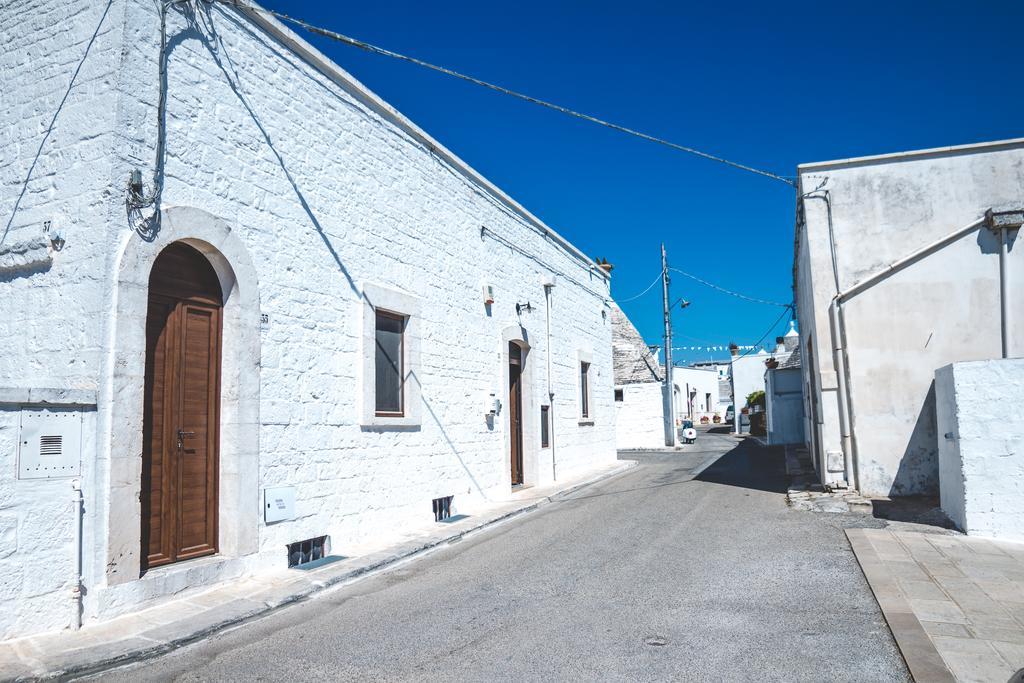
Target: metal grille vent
{"points": [[52, 445], [304, 552], [442, 508]]}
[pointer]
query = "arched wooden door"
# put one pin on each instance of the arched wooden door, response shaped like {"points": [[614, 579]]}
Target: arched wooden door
{"points": [[515, 411], [181, 408]]}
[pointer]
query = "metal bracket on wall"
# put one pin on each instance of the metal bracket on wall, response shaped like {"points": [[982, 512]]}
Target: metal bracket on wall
{"points": [[1004, 220]]}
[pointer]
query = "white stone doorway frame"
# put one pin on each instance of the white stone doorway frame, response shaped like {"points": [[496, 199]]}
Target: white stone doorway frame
{"points": [[240, 390]]}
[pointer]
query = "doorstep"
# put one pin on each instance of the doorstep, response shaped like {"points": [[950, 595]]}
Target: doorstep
{"points": [[176, 623]]}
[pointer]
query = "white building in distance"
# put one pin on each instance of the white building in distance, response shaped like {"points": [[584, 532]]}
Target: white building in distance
{"points": [[331, 322]]}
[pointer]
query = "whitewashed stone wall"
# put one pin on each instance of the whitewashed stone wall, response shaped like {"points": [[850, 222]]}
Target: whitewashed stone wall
{"points": [[323, 190], [980, 419], [638, 416]]}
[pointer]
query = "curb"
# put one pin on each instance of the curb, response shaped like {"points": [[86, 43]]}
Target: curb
{"points": [[922, 659], [417, 550]]}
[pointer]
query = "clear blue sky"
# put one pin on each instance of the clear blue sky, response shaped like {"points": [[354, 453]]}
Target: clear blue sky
{"points": [[768, 84]]}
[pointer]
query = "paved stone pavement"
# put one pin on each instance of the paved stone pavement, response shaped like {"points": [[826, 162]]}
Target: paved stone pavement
{"points": [[665, 572], [954, 603]]}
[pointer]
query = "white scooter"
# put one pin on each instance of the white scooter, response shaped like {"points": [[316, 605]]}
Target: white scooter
{"points": [[689, 433]]}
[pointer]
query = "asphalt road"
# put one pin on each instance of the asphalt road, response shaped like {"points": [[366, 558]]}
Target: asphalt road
{"points": [[652, 575]]}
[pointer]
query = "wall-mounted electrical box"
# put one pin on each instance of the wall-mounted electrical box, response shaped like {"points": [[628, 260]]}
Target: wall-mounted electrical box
{"points": [[50, 444], [492, 405], [488, 294], [278, 504]]}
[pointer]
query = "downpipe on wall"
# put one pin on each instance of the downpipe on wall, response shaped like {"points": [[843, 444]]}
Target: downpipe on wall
{"points": [[1002, 223], [845, 413], [548, 286], [78, 505]]}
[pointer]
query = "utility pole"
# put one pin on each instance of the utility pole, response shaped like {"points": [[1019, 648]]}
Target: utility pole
{"points": [[668, 398]]}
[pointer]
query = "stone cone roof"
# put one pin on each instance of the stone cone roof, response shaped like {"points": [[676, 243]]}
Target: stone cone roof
{"points": [[634, 363]]}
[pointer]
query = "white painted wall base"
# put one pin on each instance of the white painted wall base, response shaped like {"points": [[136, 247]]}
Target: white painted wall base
{"points": [[638, 417], [980, 419]]}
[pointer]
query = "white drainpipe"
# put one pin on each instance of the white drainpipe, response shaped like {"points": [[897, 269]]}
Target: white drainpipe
{"points": [[78, 502], [548, 286]]}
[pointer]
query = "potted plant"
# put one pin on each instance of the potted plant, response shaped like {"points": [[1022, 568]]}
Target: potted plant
{"points": [[703, 419], [716, 419]]}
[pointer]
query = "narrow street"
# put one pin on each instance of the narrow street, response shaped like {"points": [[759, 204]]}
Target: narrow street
{"points": [[653, 575]]}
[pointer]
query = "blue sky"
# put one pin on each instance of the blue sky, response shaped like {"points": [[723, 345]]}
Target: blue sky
{"points": [[767, 84]]}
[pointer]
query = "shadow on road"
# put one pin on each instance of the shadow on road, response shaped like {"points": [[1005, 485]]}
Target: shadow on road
{"points": [[749, 466]]}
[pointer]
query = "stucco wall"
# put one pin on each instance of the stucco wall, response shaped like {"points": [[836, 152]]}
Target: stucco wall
{"points": [[941, 309], [980, 419], [321, 192], [638, 417]]}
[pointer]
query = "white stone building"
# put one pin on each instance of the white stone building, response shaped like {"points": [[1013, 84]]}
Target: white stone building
{"points": [[639, 387], [696, 393], [328, 307], [746, 375], [897, 274]]}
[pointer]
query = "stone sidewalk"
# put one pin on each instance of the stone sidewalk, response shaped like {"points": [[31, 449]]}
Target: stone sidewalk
{"points": [[179, 622], [955, 604]]}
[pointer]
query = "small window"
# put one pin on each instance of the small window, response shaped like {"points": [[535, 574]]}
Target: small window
{"points": [[618, 395], [545, 426], [584, 390], [389, 365]]}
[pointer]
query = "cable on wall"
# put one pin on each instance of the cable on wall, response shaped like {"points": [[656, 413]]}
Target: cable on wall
{"points": [[334, 35]]}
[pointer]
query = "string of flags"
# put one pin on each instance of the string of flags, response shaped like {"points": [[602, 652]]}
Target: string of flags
{"points": [[712, 348]]}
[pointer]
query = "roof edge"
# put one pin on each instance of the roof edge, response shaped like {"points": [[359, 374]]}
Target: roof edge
{"points": [[291, 40], [993, 146]]}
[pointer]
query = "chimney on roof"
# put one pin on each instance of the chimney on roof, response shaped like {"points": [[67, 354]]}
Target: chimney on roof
{"points": [[780, 346], [734, 350], [792, 338]]}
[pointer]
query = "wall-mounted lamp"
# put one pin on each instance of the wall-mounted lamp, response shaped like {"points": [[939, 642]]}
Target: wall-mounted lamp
{"points": [[524, 307]]}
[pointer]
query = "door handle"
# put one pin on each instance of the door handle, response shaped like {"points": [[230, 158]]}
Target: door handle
{"points": [[181, 437]]}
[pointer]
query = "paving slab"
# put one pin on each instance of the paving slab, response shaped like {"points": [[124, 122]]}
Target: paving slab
{"points": [[962, 594], [189, 618]]}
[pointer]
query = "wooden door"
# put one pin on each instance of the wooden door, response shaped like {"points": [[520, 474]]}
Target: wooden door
{"points": [[515, 410], [181, 409]]}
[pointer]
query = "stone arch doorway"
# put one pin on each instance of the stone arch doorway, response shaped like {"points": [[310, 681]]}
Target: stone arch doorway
{"points": [[181, 409]]}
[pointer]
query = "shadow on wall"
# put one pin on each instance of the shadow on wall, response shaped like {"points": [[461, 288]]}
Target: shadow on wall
{"points": [[991, 242], [53, 123], [918, 473], [200, 27]]}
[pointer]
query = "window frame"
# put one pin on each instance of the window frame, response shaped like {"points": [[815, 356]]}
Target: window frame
{"points": [[376, 298], [379, 313], [585, 408]]}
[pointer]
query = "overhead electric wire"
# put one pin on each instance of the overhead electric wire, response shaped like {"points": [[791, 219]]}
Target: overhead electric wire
{"points": [[729, 291], [354, 42], [634, 298], [767, 332]]}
